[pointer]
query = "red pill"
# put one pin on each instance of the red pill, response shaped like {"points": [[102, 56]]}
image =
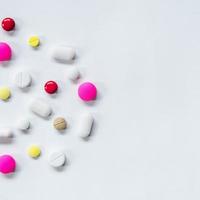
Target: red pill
{"points": [[8, 24], [51, 87]]}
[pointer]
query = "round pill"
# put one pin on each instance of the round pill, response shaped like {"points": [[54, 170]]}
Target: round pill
{"points": [[23, 124], [73, 74], [60, 123], [57, 159], [23, 80], [8, 24], [87, 91], [7, 164], [34, 151], [34, 41], [5, 52], [51, 87], [4, 93]]}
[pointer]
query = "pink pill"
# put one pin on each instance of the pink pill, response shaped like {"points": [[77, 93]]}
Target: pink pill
{"points": [[87, 91], [7, 164], [5, 52]]}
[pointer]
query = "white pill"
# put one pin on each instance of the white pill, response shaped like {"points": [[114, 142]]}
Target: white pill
{"points": [[23, 80], [23, 124], [57, 159], [85, 125], [63, 53], [40, 108], [5, 135], [73, 74]]}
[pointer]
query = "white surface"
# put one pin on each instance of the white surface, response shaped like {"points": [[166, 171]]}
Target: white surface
{"points": [[144, 57]]}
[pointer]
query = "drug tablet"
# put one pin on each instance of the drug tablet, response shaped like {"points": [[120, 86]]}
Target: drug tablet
{"points": [[23, 124], [63, 53], [40, 108], [5, 133], [87, 91], [51, 87], [57, 159], [4, 93], [34, 41], [5, 52], [7, 164], [23, 80], [8, 24], [85, 125], [60, 123], [34, 151], [73, 74]]}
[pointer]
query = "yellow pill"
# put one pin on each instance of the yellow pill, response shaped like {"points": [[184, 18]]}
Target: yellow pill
{"points": [[4, 93], [34, 151], [34, 41]]}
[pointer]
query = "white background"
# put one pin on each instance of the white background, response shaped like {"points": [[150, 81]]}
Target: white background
{"points": [[144, 58]]}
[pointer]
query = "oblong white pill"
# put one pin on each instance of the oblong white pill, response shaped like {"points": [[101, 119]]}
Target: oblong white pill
{"points": [[5, 133], [63, 53], [40, 108], [23, 124], [57, 159], [23, 80], [85, 125], [73, 74]]}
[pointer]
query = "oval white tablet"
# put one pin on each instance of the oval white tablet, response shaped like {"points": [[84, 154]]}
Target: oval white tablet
{"points": [[63, 53], [57, 159], [73, 74], [6, 135], [23, 124], [23, 80], [40, 108], [85, 125]]}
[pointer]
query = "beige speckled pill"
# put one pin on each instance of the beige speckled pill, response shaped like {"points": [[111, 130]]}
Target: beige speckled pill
{"points": [[60, 123]]}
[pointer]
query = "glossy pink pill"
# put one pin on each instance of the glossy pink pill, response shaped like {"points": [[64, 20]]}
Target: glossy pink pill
{"points": [[7, 164], [87, 91], [5, 52]]}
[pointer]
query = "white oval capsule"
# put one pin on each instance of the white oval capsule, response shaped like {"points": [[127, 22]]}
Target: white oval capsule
{"points": [[5, 135], [40, 108], [23, 80], [85, 125], [73, 74], [23, 124], [63, 53], [57, 159]]}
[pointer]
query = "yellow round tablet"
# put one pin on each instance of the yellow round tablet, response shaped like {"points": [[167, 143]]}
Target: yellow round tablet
{"points": [[34, 151], [34, 41], [4, 93]]}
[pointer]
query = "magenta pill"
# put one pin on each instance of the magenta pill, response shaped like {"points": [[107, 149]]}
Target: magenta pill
{"points": [[87, 91], [7, 164], [5, 52]]}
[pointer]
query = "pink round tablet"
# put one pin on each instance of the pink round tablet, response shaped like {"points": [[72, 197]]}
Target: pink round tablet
{"points": [[7, 164], [5, 52], [87, 91]]}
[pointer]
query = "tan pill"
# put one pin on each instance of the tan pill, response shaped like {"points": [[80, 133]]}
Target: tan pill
{"points": [[60, 123]]}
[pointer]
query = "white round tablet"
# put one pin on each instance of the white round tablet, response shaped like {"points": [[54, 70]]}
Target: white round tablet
{"points": [[73, 74], [23, 80], [23, 124], [57, 159]]}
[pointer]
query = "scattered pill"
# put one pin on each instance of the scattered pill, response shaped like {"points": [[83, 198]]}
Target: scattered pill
{"points": [[23, 80], [63, 53], [8, 24], [34, 41], [4, 93], [73, 74], [85, 125], [40, 108], [5, 133], [7, 164], [57, 159], [5, 52], [51, 87], [87, 91], [34, 151], [60, 123], [23, 124]]}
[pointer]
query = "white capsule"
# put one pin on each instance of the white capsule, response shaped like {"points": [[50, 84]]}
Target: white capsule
{"points": [[40, 108], [57, 159], [23, 124], [63, 53], [85, 125], [73, 74], [23, 80], [5, 135]]}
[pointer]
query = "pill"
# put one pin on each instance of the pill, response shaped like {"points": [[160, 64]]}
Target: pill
{"points": [[4, 93], [34, 151], [40, 108], [63, 53], [50, 87], [23, 124], [60, 123], [85, 125], [57, 159], [34, 41], [8, 24], [7, 164], [73, 74], [23, 80], [5, 52], [87, 91]]}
